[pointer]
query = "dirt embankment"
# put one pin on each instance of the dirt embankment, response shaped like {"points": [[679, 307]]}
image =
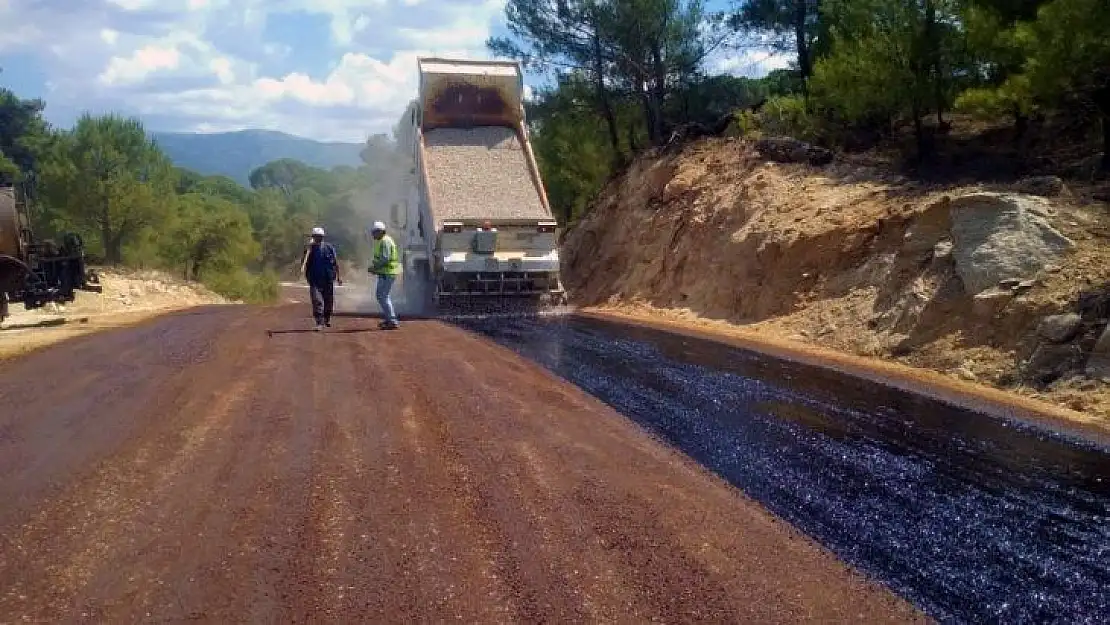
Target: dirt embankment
{"points": [[1007, 287], [128, 297]]}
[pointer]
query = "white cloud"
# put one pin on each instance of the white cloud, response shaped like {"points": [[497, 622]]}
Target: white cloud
{"points": [[205, 65], [752, 63], [140, 64]]}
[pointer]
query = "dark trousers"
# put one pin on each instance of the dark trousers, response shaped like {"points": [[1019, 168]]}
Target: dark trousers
{"points": [[323, 300]]}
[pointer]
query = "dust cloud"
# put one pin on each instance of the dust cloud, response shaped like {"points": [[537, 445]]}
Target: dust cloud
{"points": [[386, 192]]}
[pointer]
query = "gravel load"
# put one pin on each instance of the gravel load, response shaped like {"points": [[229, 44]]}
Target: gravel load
{"points": [[480, 173]]}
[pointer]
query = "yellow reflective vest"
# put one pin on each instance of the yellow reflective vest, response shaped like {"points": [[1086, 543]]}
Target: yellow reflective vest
{"points": [[387, 258]]}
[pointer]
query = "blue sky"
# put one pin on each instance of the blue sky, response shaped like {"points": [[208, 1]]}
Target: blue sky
{"points": [[324, 69]]}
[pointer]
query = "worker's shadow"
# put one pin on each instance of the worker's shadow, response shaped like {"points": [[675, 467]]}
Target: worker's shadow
{"points": [[272, 333]]}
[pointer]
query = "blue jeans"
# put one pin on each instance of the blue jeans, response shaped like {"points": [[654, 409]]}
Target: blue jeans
{"points": [[385, 283]]}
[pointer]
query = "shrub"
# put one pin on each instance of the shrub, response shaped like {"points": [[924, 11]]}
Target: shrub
{"points": [[241, 285], [788, 116]]}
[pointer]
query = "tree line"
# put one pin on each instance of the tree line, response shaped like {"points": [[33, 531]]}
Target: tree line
{"points": [[630, 73], [108, 181]]}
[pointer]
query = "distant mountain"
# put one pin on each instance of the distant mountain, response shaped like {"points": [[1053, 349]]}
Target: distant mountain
{"points": [[236, 154]]}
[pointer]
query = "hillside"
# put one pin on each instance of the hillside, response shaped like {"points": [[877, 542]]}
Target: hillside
{"points": [[1005, 285], [235, 154]]}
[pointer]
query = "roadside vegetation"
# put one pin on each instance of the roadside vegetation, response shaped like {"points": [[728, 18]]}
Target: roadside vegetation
{"points": [[925, 183], [974, 88], [108, 181]]}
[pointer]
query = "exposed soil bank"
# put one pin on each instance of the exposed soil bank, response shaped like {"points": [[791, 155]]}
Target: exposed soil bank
{"points": [[1005, 287]]}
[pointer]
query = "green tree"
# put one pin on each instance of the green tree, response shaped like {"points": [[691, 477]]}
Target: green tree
{"points": [[210, 236], [660, 46], [794, 25], [289, 175], [1068, 62], [570, 144], [107, 178], [220, 186], [888, 58], [565, 36], [22, 132]]}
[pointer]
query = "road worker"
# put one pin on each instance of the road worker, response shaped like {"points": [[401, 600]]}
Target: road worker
{"points": [[386, 265], [321, 270]]}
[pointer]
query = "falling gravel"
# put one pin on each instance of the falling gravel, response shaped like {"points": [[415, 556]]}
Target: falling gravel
{"points": [[972, 518]]}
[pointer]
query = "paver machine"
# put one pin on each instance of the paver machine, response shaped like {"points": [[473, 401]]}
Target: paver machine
{"points": [[482, 230], [37, 272]]}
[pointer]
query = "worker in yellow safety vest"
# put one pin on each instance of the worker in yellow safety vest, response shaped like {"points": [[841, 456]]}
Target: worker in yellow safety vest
{"points": [[386, 265]]}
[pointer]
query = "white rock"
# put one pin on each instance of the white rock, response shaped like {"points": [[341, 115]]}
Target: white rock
{"points": [[1001, 236]]}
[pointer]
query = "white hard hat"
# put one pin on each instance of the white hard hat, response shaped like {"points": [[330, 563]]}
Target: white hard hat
{"points": [[317, 231], [377, 227]]}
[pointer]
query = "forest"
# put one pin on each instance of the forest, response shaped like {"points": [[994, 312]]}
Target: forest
{"points": [[922, 79], [990, 88], [107, 180]]}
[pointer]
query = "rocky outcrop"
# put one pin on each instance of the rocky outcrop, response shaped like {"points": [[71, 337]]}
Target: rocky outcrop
{"points": [[1098, 364], [981, 285], [1059, 328], [788, 150], [1044, 186], [1002, 237]]}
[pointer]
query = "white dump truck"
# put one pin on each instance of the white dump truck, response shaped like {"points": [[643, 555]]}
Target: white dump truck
{"points": [[483, 227]]}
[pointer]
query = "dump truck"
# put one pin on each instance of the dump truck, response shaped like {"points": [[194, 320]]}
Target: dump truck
{"points": [[37, 272], [483, 227]]}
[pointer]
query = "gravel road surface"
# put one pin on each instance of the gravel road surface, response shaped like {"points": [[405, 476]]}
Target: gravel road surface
{"points": [[194, 468]]}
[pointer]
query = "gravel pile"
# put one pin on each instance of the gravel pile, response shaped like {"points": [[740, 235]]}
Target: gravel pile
{"points": [[480, 173]]}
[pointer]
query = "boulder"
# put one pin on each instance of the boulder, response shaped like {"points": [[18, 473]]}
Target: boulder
{"points": [[999, 237], [1044, 186], [1059, 328], [1103, 344], [1098, 363], [1094, 304], [789, 150], [1052, 362], [942, 250], [989, 303]]}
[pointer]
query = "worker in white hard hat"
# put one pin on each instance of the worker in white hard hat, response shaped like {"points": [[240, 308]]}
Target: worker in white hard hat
{"points": [[321, 270], [386, 265]]}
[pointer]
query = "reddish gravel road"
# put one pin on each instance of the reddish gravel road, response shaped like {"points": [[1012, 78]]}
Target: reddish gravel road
{"points": [[194, 469]]}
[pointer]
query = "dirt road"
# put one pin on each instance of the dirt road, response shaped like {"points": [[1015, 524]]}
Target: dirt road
{"points": [[193, 468]]}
